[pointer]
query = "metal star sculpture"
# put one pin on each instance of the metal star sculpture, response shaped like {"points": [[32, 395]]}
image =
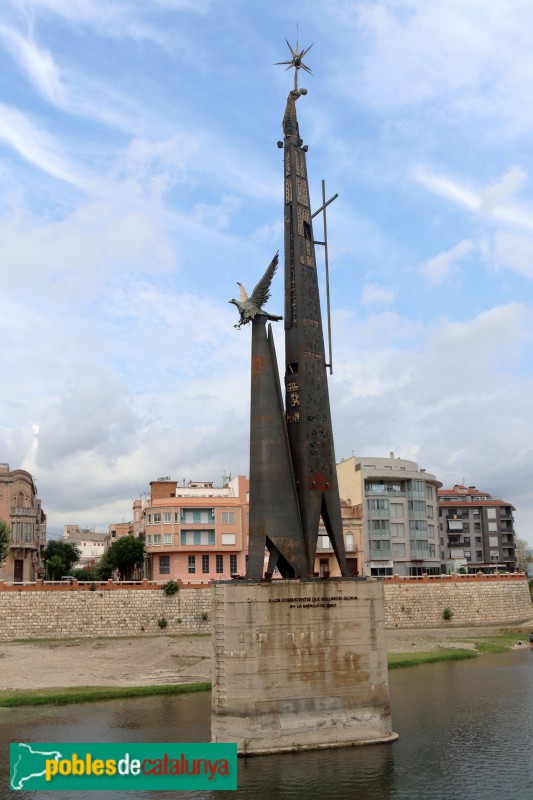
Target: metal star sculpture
{"points": [[250, 307], [296, 61]]}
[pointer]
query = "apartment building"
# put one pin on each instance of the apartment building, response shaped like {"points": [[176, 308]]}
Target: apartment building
{"points": [[91, 544], [194, 532], [352, 528], [399, 511], [21, 509], [476, 530]]}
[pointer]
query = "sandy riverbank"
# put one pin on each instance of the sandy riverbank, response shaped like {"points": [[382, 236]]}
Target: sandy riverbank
{"points": [[169, 659]]}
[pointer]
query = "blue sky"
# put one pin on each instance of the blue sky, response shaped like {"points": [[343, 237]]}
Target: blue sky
{"points": [[140, 179]]}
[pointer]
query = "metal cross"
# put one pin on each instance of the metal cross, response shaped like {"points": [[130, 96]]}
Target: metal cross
{"points": [[325, 245]]}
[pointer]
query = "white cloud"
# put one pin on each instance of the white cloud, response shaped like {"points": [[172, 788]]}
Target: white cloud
{"points": [[443, 266], [374, 295], [495, 194], [37, 147], [446, 187], [513, 251], [453, 62], [38, 64], [454, 393]]}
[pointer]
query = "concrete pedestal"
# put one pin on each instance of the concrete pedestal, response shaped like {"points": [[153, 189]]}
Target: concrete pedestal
{"points": [[299, 665]]}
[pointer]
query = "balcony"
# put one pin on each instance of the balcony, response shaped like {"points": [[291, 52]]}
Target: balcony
{"points": [[382, 490], [24, 511]]}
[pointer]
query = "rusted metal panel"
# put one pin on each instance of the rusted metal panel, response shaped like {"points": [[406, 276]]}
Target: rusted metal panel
{"points": [[274, 516], [309, 427]]}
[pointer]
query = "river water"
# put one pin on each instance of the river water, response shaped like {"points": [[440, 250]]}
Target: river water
{"points": [[466, 733]]}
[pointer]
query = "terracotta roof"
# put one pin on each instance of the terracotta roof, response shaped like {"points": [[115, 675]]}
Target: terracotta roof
{"points": [[464, 502]]}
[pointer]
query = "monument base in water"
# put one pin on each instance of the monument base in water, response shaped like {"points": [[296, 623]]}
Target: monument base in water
{"points": [[299, 665]]}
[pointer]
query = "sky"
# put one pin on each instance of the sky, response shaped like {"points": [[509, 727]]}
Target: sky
{"points": [[140, 180]]}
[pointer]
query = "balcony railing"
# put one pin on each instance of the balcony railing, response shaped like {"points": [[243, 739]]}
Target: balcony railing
{"points": [[24, 511]]}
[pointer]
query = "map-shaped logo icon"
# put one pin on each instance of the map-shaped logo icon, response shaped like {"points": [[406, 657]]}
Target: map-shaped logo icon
{"points": [[28, 763]]}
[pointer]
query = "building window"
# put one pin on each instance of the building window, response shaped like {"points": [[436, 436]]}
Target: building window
{"points": [[149, 519], [493, 527], [233, 564], [417, 505], [198, 515], [431, 531], [197, 537], [379, 525], [157, 518], [348, 542], [398, 550], [228, 517], [396, 510], [419, 546], [205, 564], [467, 540], [479, 554], [228, 538], [493, 541], [192, 564], [418, 525], [491, 513], [397, 529], [219, 564], [176, 516], [164, 565], [148, 538], [167, 517], [380, 546], [157, 538], [429, 492], [478, 539], [167, 538], [378, 505]]}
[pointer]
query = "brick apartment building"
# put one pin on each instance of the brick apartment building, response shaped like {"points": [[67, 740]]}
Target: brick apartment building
{"points": [[476, 530], [194, 532]]}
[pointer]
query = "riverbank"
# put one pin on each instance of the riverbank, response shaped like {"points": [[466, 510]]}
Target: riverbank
{"points": [[93, 669]]}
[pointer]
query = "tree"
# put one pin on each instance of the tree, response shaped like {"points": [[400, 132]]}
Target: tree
{"points": [[522, 552], [65, 552], [124, 554], [55, 568], [5, 535]]}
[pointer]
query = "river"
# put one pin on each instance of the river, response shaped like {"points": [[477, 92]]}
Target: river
{"points": [[466, 733]]}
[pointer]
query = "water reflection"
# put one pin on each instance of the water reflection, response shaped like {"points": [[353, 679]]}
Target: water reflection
{"points": [[466, 730]]}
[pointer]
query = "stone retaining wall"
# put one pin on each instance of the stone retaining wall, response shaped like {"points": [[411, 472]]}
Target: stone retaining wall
{"points": [[79, 614], [68, 612], [497, 600]]}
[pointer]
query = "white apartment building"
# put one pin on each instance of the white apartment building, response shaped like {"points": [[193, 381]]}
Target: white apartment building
{"points": [[400, 514]]}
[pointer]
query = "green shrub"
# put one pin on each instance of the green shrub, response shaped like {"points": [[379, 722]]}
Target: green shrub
{"points": [[171, 588], [447, 613], [162, 622]]}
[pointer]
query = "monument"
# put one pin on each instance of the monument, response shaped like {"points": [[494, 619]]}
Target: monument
{"points": [[299, 662]]}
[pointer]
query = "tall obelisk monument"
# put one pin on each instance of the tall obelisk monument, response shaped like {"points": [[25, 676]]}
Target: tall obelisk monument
{"points": [[307, 399], [298, 664]]}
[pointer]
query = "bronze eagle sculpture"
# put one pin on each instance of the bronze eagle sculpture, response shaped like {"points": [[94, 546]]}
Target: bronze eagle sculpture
{"points": [[251, 307]]}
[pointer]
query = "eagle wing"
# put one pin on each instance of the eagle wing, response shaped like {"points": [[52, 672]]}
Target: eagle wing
{"points": [[261, 293]]}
